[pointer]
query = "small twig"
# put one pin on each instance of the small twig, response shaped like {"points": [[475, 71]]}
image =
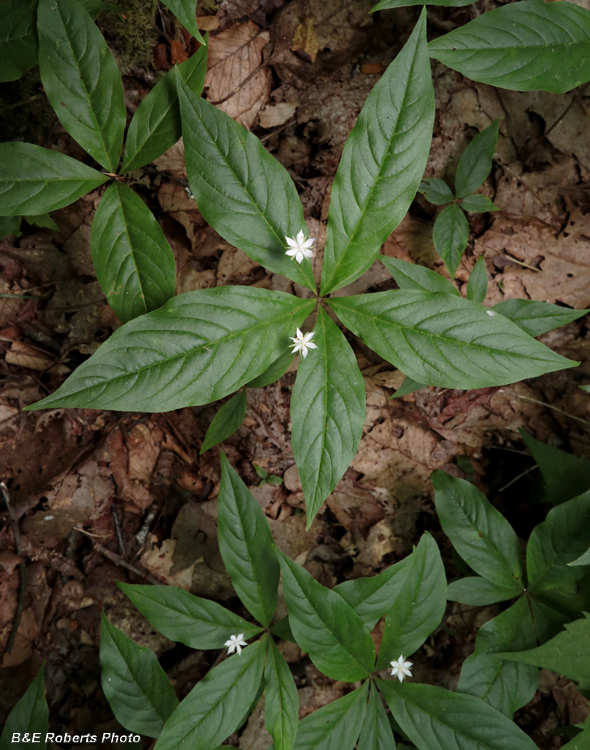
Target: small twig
{"points": [[548, 406], [520, 476], [118, 529], [118, 560], [20, 605], [21, 103]]}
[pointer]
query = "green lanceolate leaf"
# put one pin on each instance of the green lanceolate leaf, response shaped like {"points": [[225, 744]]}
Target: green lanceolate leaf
{"points": [[443, 340], [274, 371], [376, 733], [246, 545], [387, 4], [548, 621], [436, 191], [476, 161], [412, 276], [227, 420], [30, 715], [477, 286], [408, 386], [434, 718], [504, 685], [35, 180], [419, 606], [134, 683], [186, 12], [478, 204], [564, 475], [182, 617], [479, 533], [217, 704], [18, 38], [562, 537], [199, 347], [327, 413], [371, 598], [382, 164], [281, 708], [522, 47], [537, 318], [133, 261], [156, 124], [325, 626], [582, 560], [335, 726], [240, 189], [450, 235], [478, 591], [81, 79]]}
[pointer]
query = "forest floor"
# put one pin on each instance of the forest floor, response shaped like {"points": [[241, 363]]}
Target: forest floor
{"points": [[102, 497]]}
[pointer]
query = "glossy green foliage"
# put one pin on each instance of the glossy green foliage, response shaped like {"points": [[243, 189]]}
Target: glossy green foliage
{"points": [[30, 715], [412, 276], [436, 191], [477, 286], [407, 387], [450, 235], [227, 420], [476, 161], [376, 732], [18, 38], [387, 4], [564, 475], [274, 371], [478, 204], [185, 11], [281, 706], [537, 318]]}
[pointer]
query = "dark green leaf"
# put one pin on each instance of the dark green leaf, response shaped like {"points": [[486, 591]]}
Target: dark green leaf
{"points": [[246, 545], [227, 420], [479, 533], [478, 592], [325, 626], [274, 371], [581, 741], [156, 124], [443, 340], [283, 630], [436, 191], [502, 684], [376, 733], [81, 79], [548, 621], [335, 726], [450, 235], [476, 162], [10, 225], [382, 164], [477, 286], [419, 606], [94, 7], [182, 355], [281, 705], [408, 386], [413, 276], [564, 475], [42, 220], [134, 683], [522, 46], [186, 12], [387, 4], [478, 204], [133, 261], [584, 559], [30, 714], [535, 317], [434, 718], [327, 413], [216, 705], [18, 38], [182, 617], [240, 189], [35, 180]]}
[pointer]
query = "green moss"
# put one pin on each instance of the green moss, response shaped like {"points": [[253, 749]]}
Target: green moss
{"points": [[131, 33]]}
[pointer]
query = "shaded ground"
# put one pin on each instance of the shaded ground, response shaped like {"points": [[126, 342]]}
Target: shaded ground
{"points": [[104, 496]]}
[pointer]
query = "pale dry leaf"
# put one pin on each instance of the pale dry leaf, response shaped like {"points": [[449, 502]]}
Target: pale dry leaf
{"points": [[172, 161], [23, 355], [143, 447], [277, 114], [305, 40], [207, 23]]}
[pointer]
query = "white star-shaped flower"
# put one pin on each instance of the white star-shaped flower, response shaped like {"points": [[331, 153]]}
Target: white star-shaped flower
{"points": [[299, 247], [303, 342], [401, 668], [235, 643]]}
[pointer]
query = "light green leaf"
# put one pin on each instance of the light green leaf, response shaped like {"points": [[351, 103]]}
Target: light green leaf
{"points": [[476, 161], [477, 285], [436, 191], [581, 741], [30, 714], [382, 164], [10, 225], [584, 559], [81, 79], [227, 420], [199, 347], [133, 261], [275, 370], [186, 12], [434, 718], [419, 606], [18, 38], [325, 626], [387, 4], [335, 726], [327, 413], [450, 235], [535, 317], [412, 276], [281, 708], [35, 180], [134, 683], [240, 189], [246, 545], [182, 617], [408, 386], [522, 46], [548, 621], [478, 592], [478, 204], [504, 685], [479, 533], [217, 704], [443, 340], [376, 733], [42, 220], [156, 124]]}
